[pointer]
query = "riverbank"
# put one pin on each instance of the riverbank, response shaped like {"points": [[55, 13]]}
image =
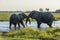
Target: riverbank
{"points": [[6, 16], [32, 34]]}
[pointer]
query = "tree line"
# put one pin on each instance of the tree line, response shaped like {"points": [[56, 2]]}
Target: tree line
{"points": [[41, 10]]}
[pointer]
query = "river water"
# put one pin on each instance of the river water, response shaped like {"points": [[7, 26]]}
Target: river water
{"points": [[4, 26]]}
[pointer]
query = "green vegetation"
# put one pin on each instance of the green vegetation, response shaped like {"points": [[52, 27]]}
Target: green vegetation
{"points": [[32, 34], [57, 16], [6, 16]]}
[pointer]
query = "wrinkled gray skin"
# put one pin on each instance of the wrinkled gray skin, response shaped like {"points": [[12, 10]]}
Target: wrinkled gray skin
{"points": [[41, 17], [17, 19]]}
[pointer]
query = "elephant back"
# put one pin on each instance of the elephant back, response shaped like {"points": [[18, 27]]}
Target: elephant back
{"points": [[14, 18]]}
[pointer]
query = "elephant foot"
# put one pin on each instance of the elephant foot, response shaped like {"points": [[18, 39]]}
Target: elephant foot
{"points": [[10, 28], [23, 26], [51, 27], [15, 28], [18, 28], [39, 29]]}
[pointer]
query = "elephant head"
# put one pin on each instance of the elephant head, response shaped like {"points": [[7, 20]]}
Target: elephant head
{"points": [[33, 14], [22, 16]]}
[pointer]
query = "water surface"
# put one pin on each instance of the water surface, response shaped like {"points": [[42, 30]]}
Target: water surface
{"points": [[4, 26]]}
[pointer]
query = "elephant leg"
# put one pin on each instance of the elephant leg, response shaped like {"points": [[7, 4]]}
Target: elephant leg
{"points": [[10, 26], [50, 25], [15, 26], [22, 23], [18, 26], [38, 24]]}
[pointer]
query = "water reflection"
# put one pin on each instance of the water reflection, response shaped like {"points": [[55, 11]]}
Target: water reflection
{"points": [[4, 26]]}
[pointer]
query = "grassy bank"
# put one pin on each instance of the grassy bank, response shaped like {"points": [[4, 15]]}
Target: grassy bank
{"points": [[56, 15], [6, 16], [32, 34]]}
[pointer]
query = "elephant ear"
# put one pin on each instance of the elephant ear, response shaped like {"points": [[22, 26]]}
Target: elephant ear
{"points": [[33, 12]]}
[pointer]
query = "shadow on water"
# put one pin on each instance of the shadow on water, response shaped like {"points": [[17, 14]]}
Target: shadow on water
{"points": [[4, 26]]}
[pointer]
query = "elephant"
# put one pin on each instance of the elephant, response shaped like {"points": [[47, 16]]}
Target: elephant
{"points": [[13, 20], [17, 19], [41, 17]]}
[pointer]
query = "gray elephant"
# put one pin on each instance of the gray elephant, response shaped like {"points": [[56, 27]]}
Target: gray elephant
{"points": [[41, 17], [13, 20], [17, 19]]}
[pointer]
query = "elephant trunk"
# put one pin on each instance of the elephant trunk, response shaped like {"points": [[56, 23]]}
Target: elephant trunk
{"points": [[28, 20]]}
